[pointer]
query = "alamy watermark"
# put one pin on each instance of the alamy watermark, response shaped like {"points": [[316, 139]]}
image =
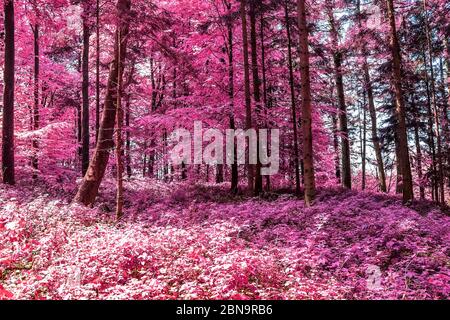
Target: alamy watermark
{"points": [[213, 146]]}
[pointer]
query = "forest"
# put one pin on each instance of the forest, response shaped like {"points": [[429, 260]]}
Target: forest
{"points": [[333, 117]]}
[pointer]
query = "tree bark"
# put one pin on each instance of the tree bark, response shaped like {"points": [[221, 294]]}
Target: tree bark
{"points": [[434, 184], [119, 141], [35, 143], [234, 165], [97, 72], [440, 167], [418, 149], [88, 190], [8, 96], [85, 93], [308, 162], [405, 165], [374, 126], [293, 102], [256, 93], [362, 137], [343, 126], [264, 83], [248, 102]]}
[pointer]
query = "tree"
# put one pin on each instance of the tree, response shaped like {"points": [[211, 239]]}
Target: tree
{"points": [[248, 102], [371, 105], [403, 152], [85, 91], [97, 70], [256, 91], [88, 189], [119, 142], [293, 102], [343, 126], [35, 143], [310, 184], [8, 95]]}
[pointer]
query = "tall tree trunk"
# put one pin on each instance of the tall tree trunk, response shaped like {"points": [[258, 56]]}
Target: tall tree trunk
{"points": [[97, 71], [8, 96], [34, 160], [434, 182], [372, 111], [89, 187], [374, 126], [234, 165], [264, 83], [343, 126], [293, 102], [408, 194], [308, 162], [119, 141], [337, 160], [248, 102], [256, 92], [440, 167], [362, 137], [85, 92], [418, 149], [127, 134]]}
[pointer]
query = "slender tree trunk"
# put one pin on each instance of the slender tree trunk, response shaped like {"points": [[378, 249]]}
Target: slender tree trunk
{"points": [[434, 184], [97, 72], [337, 160], [310, 185], [408, 194], [119, 142], [248, 102], [343, 126], [256, 93], [89, 187], [85, 93], [264, 83], [293, 102], [35, 143], [234, 165], [127, 134], [8, 95], [374, 126], [362, 136], [418, 149], [440, 167], [399, 178]]}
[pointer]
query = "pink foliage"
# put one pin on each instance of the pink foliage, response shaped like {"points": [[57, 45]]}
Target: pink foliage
{"points": [[198, 243]]}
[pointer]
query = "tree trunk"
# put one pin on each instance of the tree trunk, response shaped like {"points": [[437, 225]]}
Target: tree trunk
{"points": [[434, 185], [248, 102], [293, 102], [34, 160], [8, 96], [343, 126], [128, 140], [85, 93], [408, 194], [373, 120], [362, 136], [97, 72], [418, 149], [440, 171], [264, 83], [256, 93], [308, 162], [119, 142], [89, 187], [234, 165]]}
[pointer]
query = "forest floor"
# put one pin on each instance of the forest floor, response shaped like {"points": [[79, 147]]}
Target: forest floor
{"points": [[198, 242]]}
